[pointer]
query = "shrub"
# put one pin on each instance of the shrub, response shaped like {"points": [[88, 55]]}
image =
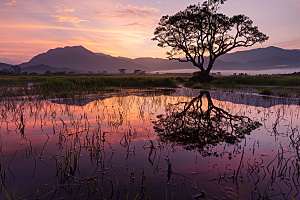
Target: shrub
{"points": [[266, 91], [180, 79], [188, 84], [201, 86]]}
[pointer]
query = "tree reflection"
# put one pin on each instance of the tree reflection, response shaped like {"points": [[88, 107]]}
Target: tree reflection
{"points": [[198, 124]]}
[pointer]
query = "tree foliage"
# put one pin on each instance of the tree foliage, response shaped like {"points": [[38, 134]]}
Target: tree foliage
{"points": [[201, 34], [122, 71], [16, 69]]}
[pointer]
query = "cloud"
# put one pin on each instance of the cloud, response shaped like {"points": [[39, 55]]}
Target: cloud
{"points": [[142, 23], [13, 60], [64, 17], [131, 24], [128, 11], [61, 10], [13, 2], [294, 2], [68, 18]]}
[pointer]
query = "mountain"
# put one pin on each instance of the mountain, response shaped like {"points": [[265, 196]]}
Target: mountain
{"points": [[260, 54], [79, 58], [41, 68], [154, 63], [256, 59], [4, 66]]}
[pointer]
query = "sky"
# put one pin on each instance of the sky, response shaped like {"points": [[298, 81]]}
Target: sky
{"points": [[123, 27]]}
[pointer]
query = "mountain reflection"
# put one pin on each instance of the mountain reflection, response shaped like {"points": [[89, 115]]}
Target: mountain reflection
{"points": [[199, 123]]}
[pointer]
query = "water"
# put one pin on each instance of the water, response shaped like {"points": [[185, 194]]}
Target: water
{"points": [[231, 72], [111, 146]]}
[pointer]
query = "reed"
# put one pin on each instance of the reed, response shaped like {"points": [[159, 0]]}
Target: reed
{"points": [[257, 80], [69, 86]]}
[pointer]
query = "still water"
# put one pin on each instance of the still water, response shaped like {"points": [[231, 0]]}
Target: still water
{"points": [[181, 145], [281, 70]]}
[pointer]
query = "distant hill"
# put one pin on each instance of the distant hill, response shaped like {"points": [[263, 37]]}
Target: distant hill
{"points": [[256, 59], [79, 58], [260, 54], [4, 66], [43, 68], [154, 63]]}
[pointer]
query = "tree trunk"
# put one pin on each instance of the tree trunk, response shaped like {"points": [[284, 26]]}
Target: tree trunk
{"points": [[202, 77]]}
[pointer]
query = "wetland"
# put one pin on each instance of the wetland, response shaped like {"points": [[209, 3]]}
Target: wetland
{"points": [[176, 143]]}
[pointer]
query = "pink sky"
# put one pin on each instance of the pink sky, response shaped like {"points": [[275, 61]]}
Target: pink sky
{"points": [[123, 27]]}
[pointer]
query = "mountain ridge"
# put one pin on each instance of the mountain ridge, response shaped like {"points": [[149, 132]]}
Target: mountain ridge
{"points": [[78, 58]]}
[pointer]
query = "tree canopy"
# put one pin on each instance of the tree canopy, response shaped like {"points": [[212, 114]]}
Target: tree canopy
{"points": [[202, 34], [16, 69]]}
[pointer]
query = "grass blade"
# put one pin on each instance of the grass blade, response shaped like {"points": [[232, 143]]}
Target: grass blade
{"points": [[37, 190], [6, 193], [166, 192], [203, 190], [136, 196], [238, 196]]}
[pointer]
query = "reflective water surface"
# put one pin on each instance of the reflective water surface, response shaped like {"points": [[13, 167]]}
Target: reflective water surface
{"points": [[140, 145]]}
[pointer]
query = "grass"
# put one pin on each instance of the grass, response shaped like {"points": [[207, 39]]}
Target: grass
{"points": [[257, 80], [180, 79], [266, 91], [15, 193], [69, 86], [284, 94], [188, 84], [201, 86]]}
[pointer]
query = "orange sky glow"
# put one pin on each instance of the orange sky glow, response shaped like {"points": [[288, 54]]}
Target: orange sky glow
{"points": [[122, 27]]}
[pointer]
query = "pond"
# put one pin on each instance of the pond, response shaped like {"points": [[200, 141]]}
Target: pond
{"points": [[181, 144]]}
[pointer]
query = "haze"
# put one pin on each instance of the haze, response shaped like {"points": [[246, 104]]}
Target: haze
{"points": [[123, 27]]}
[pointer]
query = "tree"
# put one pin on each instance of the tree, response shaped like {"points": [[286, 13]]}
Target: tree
{"points": [[16, 69], [122, 71], [48, 72], [201, 34], [137, 71]]}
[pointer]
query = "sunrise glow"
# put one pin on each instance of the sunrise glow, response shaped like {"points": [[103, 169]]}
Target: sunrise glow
{"points": [[122, 28]]}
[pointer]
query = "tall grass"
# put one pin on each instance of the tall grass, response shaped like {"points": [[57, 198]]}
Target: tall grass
{"points": [[22, 80], [66, 86], [258, 80]]}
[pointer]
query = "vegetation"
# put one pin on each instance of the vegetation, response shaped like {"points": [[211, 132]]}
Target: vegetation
{"points": [[258, 80], [201, 86], [266, 91], [201, 30], [69, 86]]}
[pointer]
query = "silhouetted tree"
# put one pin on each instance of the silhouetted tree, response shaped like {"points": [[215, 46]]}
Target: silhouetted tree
{"points": [[48, 72], [33, 74], [201, 34], [137, 71], [16, 69], [197, 124], [122, 71]]}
